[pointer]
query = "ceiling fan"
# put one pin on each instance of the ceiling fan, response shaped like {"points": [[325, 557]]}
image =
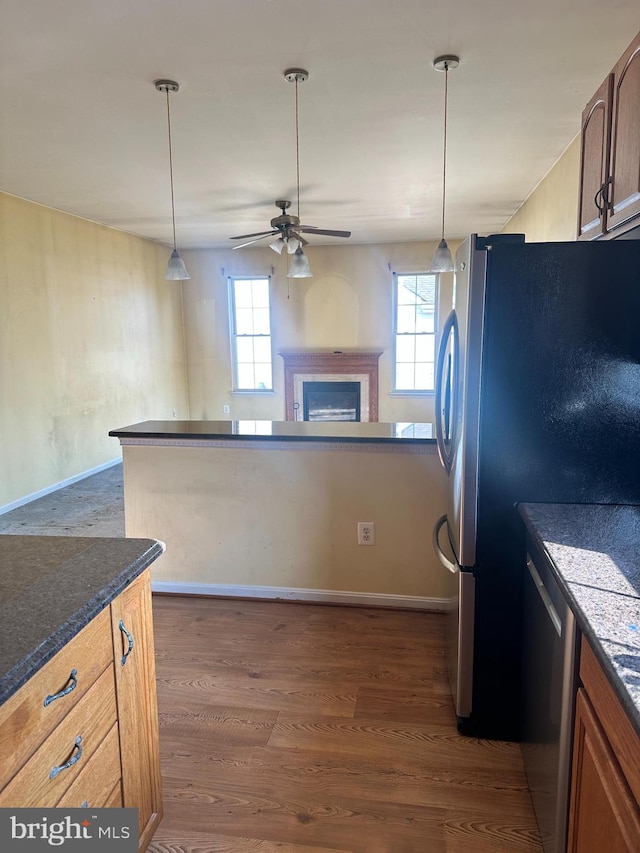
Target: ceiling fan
{"points": [[288, 226], [290, 230]]}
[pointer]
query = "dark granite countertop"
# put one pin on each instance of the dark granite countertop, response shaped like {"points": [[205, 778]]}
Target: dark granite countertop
{"points": [[51, 587], [343, 431], [594, 552]]}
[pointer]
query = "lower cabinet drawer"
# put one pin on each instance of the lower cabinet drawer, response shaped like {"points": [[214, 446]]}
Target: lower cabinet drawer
{"points": [[98, 778], [58, 762], [31, 714]]}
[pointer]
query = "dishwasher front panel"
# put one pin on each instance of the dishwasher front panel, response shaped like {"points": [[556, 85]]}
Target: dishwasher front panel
{"points": [[548, 702]]}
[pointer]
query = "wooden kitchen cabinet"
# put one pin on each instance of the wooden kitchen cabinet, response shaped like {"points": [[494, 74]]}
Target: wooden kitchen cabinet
{"points": [[609, 193], [84, 729], [605, 782], [132, 626], [594, 161]]}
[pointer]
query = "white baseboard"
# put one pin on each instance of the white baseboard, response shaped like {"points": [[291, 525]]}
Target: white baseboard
{"points": [[56, 486], [326, 596]]}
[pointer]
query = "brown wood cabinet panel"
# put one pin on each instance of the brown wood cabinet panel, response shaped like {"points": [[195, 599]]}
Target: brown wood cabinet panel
{"points": [[25, 720], [613, 719], [624, 197], [90, 719], [97, 780], [134, 663], [594, 162], [604, 816], [114, 800]]}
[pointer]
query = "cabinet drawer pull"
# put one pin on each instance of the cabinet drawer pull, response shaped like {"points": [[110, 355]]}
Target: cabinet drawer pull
{"points": [[73, 760], [129, 641], [72, 686]]}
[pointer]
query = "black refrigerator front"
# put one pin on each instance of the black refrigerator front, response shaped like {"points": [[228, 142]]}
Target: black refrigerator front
{"points": [[537, 399]]}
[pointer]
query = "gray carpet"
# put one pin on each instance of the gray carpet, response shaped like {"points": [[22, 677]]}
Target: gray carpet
{"points": [[91, 507]]}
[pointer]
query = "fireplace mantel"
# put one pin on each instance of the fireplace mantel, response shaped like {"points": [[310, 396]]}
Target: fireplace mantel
{"points": [[334, 365]]}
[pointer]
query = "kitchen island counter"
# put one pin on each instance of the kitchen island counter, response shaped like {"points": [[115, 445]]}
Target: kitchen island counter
{"points": [[349, 432], [594, 553], [51, 587], [271, 509]]}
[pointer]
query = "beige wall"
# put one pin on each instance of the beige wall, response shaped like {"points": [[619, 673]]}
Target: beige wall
{"points": [[550, 213], [347, 303], [287, 518], [90, 339]]}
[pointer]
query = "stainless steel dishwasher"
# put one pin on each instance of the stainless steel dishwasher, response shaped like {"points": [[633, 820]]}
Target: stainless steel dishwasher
{"points": [[549, 670]]}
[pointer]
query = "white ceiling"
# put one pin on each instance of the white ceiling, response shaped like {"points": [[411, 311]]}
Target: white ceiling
{"points": [[83, 129]]}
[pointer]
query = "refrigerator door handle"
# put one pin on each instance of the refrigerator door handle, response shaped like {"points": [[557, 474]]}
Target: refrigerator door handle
{"points": [[450, 327], [442, 557]]}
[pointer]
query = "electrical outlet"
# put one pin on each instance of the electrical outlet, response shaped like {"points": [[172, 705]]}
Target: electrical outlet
{"points": [[366, 533], [226, 409]]}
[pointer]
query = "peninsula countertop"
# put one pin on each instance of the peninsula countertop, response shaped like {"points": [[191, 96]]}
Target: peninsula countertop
{"points": [[290, 431], [594, 553], [51, 587]]}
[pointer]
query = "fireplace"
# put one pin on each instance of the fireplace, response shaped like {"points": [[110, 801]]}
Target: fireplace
{"points": [[331, 401], [348, 371]]}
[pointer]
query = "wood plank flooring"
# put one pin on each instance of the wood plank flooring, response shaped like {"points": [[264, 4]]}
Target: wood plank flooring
{"points": [[288, 728]]}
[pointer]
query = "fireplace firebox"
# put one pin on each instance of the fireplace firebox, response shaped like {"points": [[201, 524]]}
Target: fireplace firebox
{"points": [[331, 401]]}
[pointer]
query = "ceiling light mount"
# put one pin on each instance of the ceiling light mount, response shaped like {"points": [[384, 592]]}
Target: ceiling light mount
{"points": [[447, 62], [166, 85], [296, 75]]}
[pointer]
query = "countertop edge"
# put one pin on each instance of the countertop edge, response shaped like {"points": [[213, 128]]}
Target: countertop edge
{"points": [[248, 437], [14, 678], [583, 622]]}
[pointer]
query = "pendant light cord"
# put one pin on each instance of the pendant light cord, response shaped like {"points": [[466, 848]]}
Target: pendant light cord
{"points": [[444, 153], [173, 206]]}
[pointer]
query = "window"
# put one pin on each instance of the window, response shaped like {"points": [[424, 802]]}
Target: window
{"points": [[415, 308], [251, 333]]}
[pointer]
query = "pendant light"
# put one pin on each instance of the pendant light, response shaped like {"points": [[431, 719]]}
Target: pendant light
{"points": [[299, 267], [442, 260], [176, 270]]}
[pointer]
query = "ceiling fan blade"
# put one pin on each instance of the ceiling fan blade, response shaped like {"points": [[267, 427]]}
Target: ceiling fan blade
{"points": [[309, 229], [257, 234], [255, 240]]}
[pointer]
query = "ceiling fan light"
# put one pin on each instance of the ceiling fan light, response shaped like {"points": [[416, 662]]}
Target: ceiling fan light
{"points": [[176, 270], [293, 245], [442, 260], [277, 245], [299, 267]]}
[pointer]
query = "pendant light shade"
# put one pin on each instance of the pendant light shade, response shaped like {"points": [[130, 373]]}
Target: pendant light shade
{"points": [[299, 267], [176, 270], [442, 260]]}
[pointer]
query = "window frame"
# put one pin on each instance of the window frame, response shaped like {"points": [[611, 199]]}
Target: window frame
{"points": [[413, 392], [233, 335]]}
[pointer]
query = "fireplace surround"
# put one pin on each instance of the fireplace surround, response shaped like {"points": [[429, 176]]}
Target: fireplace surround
{"points": [[321, 366]]}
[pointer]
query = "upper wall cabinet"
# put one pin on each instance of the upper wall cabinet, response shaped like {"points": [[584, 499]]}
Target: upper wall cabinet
{"points": [[609, 200]]}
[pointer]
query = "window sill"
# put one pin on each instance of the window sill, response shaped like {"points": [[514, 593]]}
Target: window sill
{"points": [[411, 393], [244, 392]]}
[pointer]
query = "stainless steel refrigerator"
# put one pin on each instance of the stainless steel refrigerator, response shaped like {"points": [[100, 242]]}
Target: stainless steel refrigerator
{"points": [[537, 399]]}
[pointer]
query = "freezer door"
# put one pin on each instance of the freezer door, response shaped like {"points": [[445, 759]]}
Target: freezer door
{"points": [[468, 298], [460, 628]]}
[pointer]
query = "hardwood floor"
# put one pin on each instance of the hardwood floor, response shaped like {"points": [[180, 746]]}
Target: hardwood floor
{"points": [[288, 728]]}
